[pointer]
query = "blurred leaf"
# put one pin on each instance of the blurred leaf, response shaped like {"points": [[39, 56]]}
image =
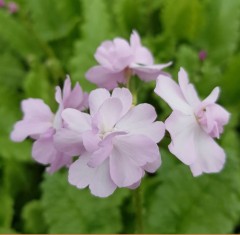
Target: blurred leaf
{"points": [[10, 111], [36, 84], [95, 29], [206, 204], [32, 215], [11, 71], [187, 58], [221, 31], [6, 211], [7, 231], [230, 81], [182, 19], [54, 19], [17, 36], [130, 14], [71, 210]]}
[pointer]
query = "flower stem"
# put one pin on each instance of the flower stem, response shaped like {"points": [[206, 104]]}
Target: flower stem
{"points": [[137, 197]]}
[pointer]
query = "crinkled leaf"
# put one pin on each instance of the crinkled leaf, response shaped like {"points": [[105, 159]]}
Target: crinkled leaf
{"points": [[17, 36], [54, 19], [37, 85], [11, 71], [221, 30], [182, 19], [32, 215], [70, 210]]}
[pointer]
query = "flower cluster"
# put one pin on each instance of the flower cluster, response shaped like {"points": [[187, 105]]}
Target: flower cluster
{"points": [[115, 142]]}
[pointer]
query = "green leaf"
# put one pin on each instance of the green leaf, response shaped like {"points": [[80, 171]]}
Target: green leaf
{"points": [[54, 19], [230, 81], [7, 231], [11, 71], [220, 37], [71, 210], [10, 110], [17, 36], [182, 19], [37, 85], [95, 29], [187, 58], [6, 211], [32, 215], [207, 204]]}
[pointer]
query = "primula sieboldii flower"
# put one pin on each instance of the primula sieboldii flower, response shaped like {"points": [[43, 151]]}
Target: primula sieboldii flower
{"points": [[193, 124], [118, 60], [41, 124], [120, 142]]}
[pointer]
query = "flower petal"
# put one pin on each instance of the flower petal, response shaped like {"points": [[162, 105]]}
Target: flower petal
{"points": [[148, 72], [151, 167], [124, 172], [102, 184], [139, 120], [125, 96], [80, 174], [188, 89], [108, 114], [97, 98], [59, 161], [69, 142], [105, 78], [141, 54], [43, 150], [171, 93], [182, 130], [76, 120], [98, 179], [37, 120], [210, 156], [138, 148]]}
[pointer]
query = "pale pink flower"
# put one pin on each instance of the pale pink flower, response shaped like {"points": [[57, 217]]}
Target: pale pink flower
{"points": [[41, 124], [120, 142], [118, 60], [193, 124]]}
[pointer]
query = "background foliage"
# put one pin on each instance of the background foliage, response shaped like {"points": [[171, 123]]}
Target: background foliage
{"points": [[47, 39]]}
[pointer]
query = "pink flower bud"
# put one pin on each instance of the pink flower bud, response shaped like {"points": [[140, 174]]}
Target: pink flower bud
{"points": [[13, 7], [202, 55]]}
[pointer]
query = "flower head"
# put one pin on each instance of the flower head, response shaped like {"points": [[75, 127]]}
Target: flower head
{"points": [[41, 124], [193, 124], [120, 142], [118, 60]]}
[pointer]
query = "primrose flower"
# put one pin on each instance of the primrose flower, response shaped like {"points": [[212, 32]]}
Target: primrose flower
{"points": [[118, 60], [120, 142], [193, 124], [41, 124]]}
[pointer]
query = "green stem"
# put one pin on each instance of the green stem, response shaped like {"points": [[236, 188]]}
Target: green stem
{"points": [[137, 197]]}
